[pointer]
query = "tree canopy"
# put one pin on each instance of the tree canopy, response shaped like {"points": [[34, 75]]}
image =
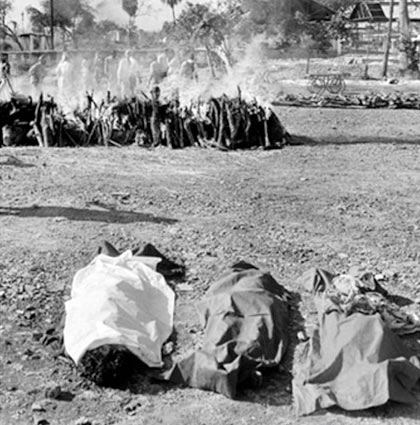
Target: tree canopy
{"points": [[74, 17], [172, 4], [5, 7], [338, 4], [281, 21], [68, 14], [5, 30], [131, 7]]}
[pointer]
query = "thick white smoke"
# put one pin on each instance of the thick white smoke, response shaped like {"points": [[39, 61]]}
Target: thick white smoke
{"points": [[110, 10]]}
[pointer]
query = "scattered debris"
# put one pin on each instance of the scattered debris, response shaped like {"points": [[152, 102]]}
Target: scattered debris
{"points": [[168, 348], [360, 101], [185, 287], [38, 420], [83, 421], [135, 404], [53, 392], [37, 407], [302, 337], [121, 196], [42, 405]]}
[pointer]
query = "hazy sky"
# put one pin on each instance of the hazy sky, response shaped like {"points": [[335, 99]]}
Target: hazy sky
{"points": [[110, 9]]}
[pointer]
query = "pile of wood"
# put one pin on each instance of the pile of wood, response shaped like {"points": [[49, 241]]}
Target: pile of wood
{"points": [[222, 122], [360, 101]]}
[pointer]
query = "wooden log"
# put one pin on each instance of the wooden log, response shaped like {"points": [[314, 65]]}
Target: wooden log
{"points": [[45, 128]]}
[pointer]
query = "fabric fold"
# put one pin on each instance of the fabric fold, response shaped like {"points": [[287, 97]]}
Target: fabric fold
{"points": [[354, 360], [246, 316]]}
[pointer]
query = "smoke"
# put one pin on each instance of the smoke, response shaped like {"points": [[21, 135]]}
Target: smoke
{"points": [[111, 10], [246, 76]]}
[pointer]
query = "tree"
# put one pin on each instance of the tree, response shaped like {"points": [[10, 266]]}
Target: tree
{"points": [[5, 30], [172, 4], [104, 31], [338, 4], [286, 22], [200, 24], [269, 15], [131, 7], [73, 17], [388, 40], [5, 7], [408, 54]]}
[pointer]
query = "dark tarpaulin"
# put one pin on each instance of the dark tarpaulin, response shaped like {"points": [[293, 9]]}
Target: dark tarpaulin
{"points": [[245, 315], [353, 361], [165, 267]]}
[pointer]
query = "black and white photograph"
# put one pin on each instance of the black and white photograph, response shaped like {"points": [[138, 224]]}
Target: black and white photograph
{"points": [[209, 212]]}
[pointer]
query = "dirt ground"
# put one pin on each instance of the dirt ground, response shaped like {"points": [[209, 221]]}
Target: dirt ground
{"points": [[345, 194]]}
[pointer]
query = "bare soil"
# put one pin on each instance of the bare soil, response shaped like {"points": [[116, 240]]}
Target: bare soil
{"points": [[345, 194]]}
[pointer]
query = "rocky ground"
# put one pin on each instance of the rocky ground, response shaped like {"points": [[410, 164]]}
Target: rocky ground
{"points": [[345, 194]]}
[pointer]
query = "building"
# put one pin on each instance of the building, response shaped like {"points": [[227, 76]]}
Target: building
{"points": [[32, 41], [371, 21], [370, 24]]}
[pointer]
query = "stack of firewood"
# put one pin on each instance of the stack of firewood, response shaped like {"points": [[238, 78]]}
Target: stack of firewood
{"points": [[221, 122]]}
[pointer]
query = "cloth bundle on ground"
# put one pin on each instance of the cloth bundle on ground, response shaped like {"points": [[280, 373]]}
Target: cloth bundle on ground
{"points": [[354, 359], [119, 307], [363, 294], [245, 315], [165, 266]]}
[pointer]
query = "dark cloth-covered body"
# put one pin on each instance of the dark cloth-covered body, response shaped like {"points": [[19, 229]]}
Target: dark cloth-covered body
{"points": [[354, 361], [245, 315]]}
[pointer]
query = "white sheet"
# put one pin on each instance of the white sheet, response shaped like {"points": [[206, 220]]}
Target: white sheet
{"points": [[119, 300]]}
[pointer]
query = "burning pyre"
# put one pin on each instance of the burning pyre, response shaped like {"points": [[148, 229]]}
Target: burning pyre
{"points": [[221, 122]]}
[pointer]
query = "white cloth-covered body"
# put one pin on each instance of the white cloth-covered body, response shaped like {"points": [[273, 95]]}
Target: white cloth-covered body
{"points": [[119, 300]]}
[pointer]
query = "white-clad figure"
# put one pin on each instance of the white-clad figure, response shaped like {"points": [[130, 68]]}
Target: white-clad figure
{"points": [[86, 76], [158, 70], [110, 70], [127, 75], [37, 74], [6, 90], [64, 76], [174, 65], [188, 69]]}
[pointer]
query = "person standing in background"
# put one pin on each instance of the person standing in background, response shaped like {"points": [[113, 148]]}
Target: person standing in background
{"points": [[98, 69], [37, 73], [64, 76], [174, 63], [128, 75], [86, 76], [188, 68], [5, 66], [158, 70], [110, 71], [6, 89]]}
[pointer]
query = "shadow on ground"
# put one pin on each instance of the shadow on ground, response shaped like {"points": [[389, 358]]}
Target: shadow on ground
{"points": [[15, 162], [340, 140], [78, 214], [390, 410]]}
